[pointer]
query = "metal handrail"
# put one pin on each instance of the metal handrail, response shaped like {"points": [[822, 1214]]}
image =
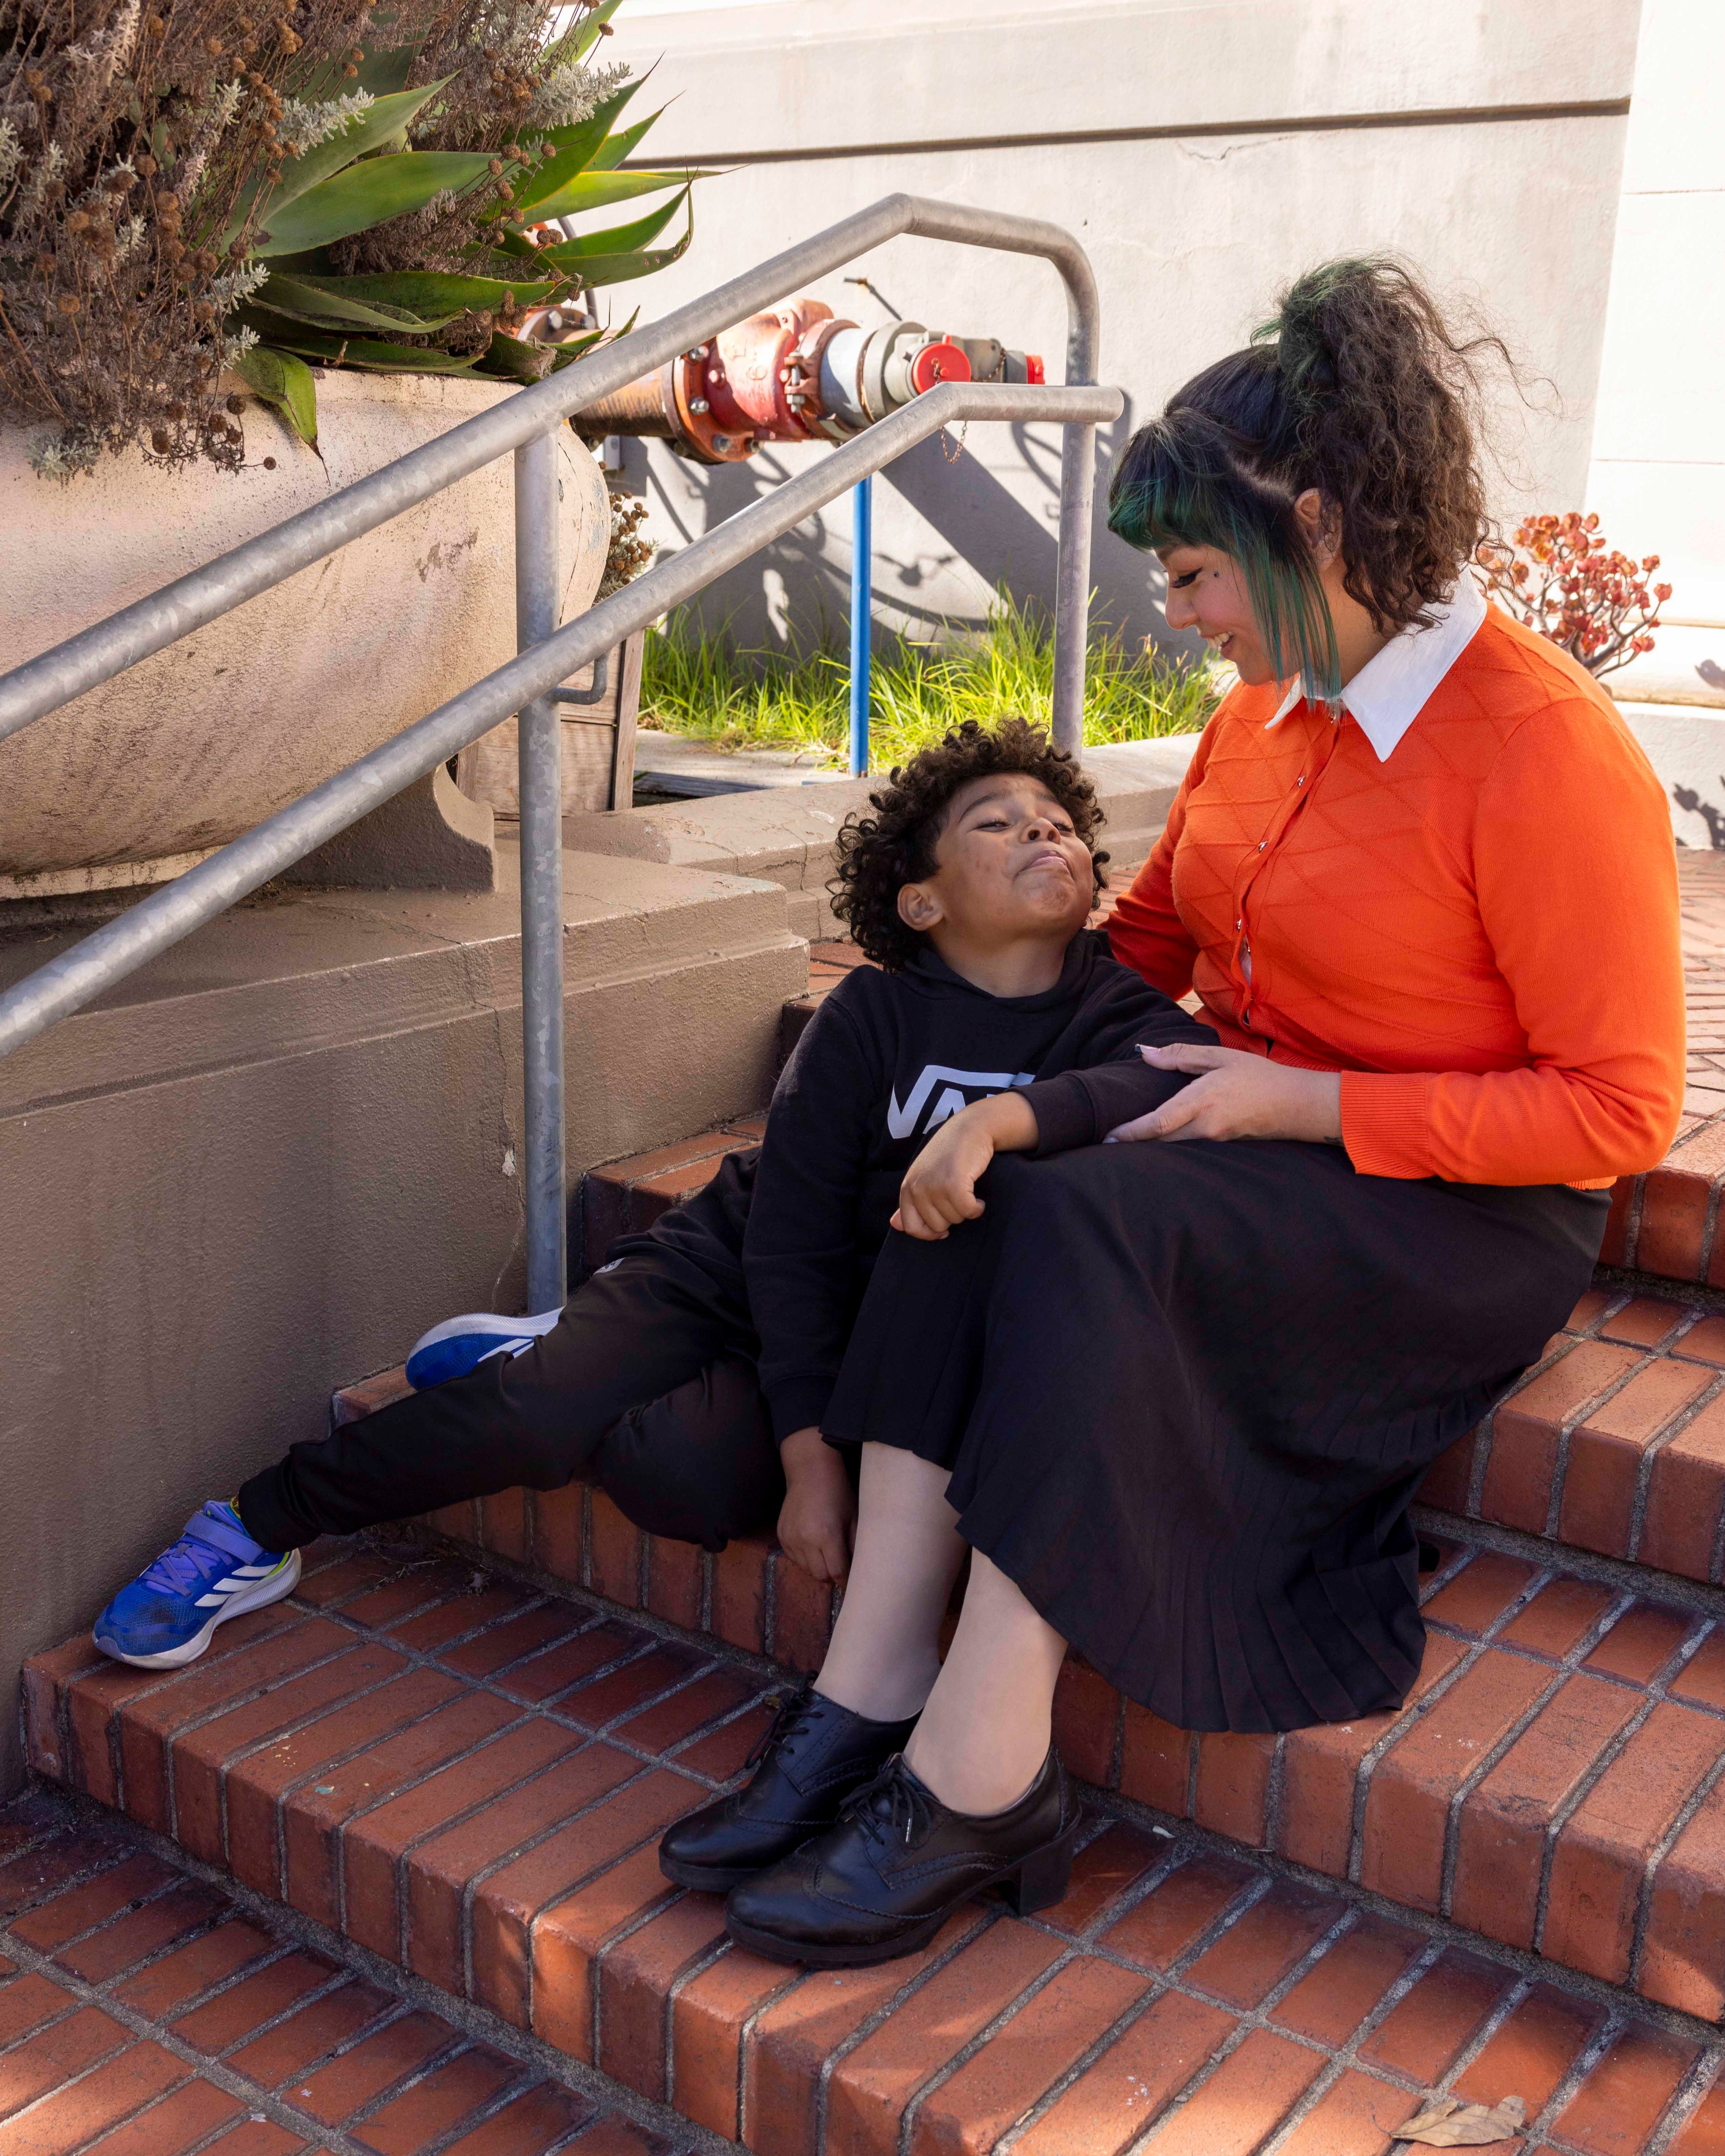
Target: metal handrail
{"points": [[525, 423]]}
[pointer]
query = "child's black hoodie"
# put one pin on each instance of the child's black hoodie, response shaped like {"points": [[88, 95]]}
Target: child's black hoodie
{"points": [[794, 1228]]}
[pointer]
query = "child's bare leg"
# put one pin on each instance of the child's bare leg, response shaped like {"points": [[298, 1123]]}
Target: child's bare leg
{"points": [[986, 1729], [885, 1653]]}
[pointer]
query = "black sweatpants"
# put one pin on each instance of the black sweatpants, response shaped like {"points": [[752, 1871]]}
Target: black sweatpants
{"points": [[646, 1385]]}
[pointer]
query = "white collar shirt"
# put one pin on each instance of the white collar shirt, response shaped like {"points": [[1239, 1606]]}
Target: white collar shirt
{"points": [[1389, 691]]}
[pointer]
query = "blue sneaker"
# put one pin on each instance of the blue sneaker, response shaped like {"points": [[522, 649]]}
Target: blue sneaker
{"points": [[169, 1614], [461, 1344]]}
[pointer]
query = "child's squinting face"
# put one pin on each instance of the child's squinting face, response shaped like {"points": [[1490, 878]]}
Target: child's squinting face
{"points": [[1009, 864]]}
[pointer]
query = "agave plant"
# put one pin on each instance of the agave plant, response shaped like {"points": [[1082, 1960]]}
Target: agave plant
{"points": [[188, 186], [301, 302]]}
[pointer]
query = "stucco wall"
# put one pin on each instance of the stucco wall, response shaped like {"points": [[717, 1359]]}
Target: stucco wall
{"points": [[1205, 153]]}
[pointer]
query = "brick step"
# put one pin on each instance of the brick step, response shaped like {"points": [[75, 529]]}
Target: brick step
{"points": [[467, 1779], [145, 2013]]}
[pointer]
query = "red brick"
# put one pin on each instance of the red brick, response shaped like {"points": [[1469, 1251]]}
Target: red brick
{"points": [[635, 1978], [460, 1616], [708, 2017], [1087, 1712], [1587, 1313], [1705, 1340], [496, 1649], [71, 2117], [534, 2123], [45, 1677], [175, 2123], [1423, 2034], [255, 1786], [1526, 1430], [56, 2054], [1107, 2107], [1261, 1948], [1407, 1800], [1622, 2099], [870, 2086], [1103, 1871], [80, 1908], [676, 1581], [1155, 1761], [1703, 2132], [1641, 1642], [375, 1840], [655, 1194], [724, 1752], [1684, 1494], [505, 1905], [1529, 2054], [1355, 2118], [460, 1521], [611, 2134], [739, 1615], [992, 2091], [614, 1553], [281, 2055], [1683, 1957], [1320, 1766], [26, 2004], [1644, 1322], [1450, 1476], [312, 1824], [201, 1755], [352, 1403], [124, 1943], [1177, 1912], [789, 2042], [432, 2108], [1607, 1451], [1674, 1211], [1505, 1821], [671, 1720], [802, 1616], [232, 2015], [415, 1586], [253, 2136], [1597, 1867], [1702, 1676], [1332, 2000], [559, 1532], [549, 1675], [148, 1722], [334, 2092], [601, 1701], [357, 1571], [1558, 1617], [168, 1983], [503, 1524], [1253, 2089], [40, 1872], [566, 1943], [1233, 1785], [1614, 1249], [1476, 1597]]}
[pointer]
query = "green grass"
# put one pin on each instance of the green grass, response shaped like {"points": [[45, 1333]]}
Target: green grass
{"points": [[696, 682]]}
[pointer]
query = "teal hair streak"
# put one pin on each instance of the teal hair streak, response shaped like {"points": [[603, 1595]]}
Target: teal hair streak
{"points": [[1177, 484]]}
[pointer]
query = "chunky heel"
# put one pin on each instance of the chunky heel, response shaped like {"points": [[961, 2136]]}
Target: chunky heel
{"points": [[1043, 1878]]}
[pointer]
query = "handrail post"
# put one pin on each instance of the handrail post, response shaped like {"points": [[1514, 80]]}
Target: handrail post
{"points": [[539, 727], [862, 596], [1078, 487]]}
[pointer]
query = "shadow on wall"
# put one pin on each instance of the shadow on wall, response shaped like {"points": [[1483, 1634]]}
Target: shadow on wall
{"points": [[1687, 797], [988, 536]]}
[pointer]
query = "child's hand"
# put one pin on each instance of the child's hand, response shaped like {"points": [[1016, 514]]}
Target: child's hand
{"points": [[939, 1188], [818, 1519]]}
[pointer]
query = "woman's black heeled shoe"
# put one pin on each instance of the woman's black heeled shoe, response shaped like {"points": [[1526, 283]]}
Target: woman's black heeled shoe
{"points": [[883, 1881], [815, 1755]]}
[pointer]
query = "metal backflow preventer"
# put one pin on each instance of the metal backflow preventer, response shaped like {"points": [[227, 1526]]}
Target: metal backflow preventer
{"points": [[795, 373]]}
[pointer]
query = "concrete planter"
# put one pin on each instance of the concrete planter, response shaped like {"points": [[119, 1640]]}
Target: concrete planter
{"points": [[142, 776]]}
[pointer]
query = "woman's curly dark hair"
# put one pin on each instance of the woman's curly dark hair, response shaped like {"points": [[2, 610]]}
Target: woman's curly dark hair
{"points": [[1359, 388], [879, 854]]}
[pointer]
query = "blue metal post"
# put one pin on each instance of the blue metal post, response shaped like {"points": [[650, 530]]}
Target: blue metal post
{"points": [[861, 596]]}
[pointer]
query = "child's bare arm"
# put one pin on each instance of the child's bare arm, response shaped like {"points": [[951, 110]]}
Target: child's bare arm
{"points": [[817, 1523]]}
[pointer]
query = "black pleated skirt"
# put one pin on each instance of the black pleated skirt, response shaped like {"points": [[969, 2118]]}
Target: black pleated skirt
{"points": [[1187, 1392]]}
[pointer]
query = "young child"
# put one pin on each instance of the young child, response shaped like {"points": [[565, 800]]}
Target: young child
{"points": [[689, 1375]]}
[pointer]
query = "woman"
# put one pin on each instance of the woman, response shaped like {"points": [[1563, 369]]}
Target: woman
{"points": [[1175, 1395]]}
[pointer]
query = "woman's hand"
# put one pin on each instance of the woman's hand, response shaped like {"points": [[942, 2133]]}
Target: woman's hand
{"points": [[817, 1521], [939, 1188], [1239, 1095]]}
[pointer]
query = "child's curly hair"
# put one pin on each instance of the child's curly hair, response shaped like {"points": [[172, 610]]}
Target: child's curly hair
{"points": [[879, 854]]}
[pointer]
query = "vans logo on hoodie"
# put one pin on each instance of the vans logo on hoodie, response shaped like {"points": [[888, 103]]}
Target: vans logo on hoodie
{"points": [[901, 1121]]}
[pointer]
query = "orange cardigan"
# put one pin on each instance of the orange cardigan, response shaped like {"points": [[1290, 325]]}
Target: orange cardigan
{"points": [[1480, 932]]}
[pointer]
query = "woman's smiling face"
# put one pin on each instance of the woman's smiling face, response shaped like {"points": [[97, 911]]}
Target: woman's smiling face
{"points": [[1206, 592]]}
